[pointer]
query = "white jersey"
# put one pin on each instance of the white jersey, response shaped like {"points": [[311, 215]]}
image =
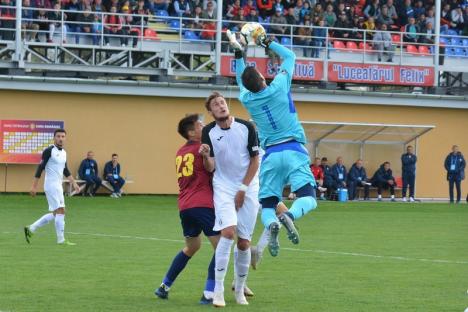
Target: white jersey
{"points": [[232, 149], [54, 162]]}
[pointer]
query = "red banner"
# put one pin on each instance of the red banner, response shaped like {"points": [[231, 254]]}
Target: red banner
{"points": [[304, 70], [381, 74], [22, 141]]}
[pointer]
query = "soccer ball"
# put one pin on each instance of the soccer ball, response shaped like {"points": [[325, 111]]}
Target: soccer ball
{"points": [[250, 32]]}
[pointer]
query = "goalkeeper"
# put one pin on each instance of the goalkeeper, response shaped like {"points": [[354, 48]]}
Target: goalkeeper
{"points": [[281, 136]]}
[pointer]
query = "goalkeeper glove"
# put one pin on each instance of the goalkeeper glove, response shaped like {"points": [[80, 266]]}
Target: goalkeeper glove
{"points": [[235, 45]]}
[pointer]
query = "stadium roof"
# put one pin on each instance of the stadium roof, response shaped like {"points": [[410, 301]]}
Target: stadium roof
{"points": [[362, 133]]}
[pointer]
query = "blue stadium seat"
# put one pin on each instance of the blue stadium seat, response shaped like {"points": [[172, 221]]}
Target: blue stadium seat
{"points": [[190, 35], [452, 32], [449, 52], [465, 42], [459, 52], [286, 41], [444, 40], [162, 13], [174, 24]]}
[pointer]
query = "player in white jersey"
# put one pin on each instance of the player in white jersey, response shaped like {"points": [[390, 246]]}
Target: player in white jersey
{"points": [[230, 149], [54, 162]]}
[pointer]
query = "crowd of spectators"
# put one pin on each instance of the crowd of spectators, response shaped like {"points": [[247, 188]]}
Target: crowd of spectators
{"points": [[416, 17]]}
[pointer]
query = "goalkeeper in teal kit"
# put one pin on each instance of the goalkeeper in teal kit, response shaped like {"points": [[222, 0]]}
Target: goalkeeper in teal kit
{"points": [[286, 160]]}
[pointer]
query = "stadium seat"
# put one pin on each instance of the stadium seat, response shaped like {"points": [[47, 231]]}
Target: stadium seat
{"points": [[190, 35], [459, 52], [411, 49], [449, 52], [399, 182], [396, 38], [452, 32], [367, 45], [174, 24], [465, 42], [351, 46], [423, 50], [339, 45], [286, 41], [150, 34], [162, 13], [455, 42]]}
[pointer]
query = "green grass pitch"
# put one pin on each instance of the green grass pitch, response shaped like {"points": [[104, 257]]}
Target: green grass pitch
{"points": [[352, 257]]}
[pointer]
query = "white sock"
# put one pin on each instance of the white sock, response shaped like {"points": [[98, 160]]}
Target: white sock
{"points": [[223, 253], [242, 268], [380, 196], [263, 241], [60, 227], [45, 219], [393, 196]]}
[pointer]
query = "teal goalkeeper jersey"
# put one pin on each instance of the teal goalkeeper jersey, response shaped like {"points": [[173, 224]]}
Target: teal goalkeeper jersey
{"points": [[272, 109]]}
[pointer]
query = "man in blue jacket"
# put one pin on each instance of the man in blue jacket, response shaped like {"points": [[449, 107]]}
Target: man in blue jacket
{"points": [[357, 177], [408, 170], [383, 179], [338, 174], [455, 165], [89, 172], [112, 174]]}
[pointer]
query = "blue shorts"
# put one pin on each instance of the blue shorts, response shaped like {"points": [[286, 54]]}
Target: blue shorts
{"points": [[196, 220], [282, 164]]}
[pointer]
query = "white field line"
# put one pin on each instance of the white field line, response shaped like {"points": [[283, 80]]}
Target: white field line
{"points": [[341, 253]]}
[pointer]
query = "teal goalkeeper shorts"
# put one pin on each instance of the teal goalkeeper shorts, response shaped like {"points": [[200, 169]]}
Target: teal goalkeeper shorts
{"points": [[282, 164]]}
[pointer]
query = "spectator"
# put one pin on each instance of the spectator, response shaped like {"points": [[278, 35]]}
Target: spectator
{"points": [[113, 26], [419, 9], [319, 35], [196, 23], [303, 37], [112, 175], [158, 5], [430, 16], [89, 172], [456, 20], [357, 177], [392, 12], [280, 20], [411, 31], [291, 18], [408, 169], [46, 4], [305, 11], [28, 25], [317, 13], [338, 174], [239, 20], [317, 171], [97, 6], [265, 7], [253, 16], [383, 44], [406, 12], [445, 14], [7, 20], [72, 8], [233, 10], [140, 20], [55, 18], [465, 18], [86, 26], [210, 12], [455, 165], [248, 7], [329, 16], [421, 21], [358, 25], [209, 31], [206, 2], [342, 23], [130, 28], [429, 34], [385, 17], [182, 7], [383, 179], [369, 25], [372, 10], [288, 4], [278, 5]]}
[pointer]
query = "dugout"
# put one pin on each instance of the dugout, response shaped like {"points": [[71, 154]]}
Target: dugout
{"points": [[374, 143]]}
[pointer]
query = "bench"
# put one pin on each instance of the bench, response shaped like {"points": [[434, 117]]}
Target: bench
{"points": [[82, 184]]}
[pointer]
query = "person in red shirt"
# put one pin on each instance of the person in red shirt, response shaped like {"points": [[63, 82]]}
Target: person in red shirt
{"points": [[319, 176], [196, 207]]}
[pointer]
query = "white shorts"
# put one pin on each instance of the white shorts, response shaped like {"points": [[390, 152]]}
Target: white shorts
{"points": [[55, 198], [226, 214]]}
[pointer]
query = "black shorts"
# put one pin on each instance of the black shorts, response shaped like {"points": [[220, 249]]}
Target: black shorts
{"points": [[196, 220]]}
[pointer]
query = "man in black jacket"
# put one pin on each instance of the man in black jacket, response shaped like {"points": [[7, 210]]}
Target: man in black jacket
{"points": [[89, 172], [455, 165], [383, 179], [357, 177], [408, 170], [327, 179]]}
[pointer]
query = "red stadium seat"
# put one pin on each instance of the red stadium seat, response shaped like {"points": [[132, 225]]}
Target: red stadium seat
{"points": [[151, 34], [396, 38], [339, 45], [367, 45], [399, 181], [424, 50], [411, 49], [352, 46]]}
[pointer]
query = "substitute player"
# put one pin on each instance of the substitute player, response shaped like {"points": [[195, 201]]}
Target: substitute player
{"points": [[54, 162], [230, 146], [195, 207], [281, 136]]}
